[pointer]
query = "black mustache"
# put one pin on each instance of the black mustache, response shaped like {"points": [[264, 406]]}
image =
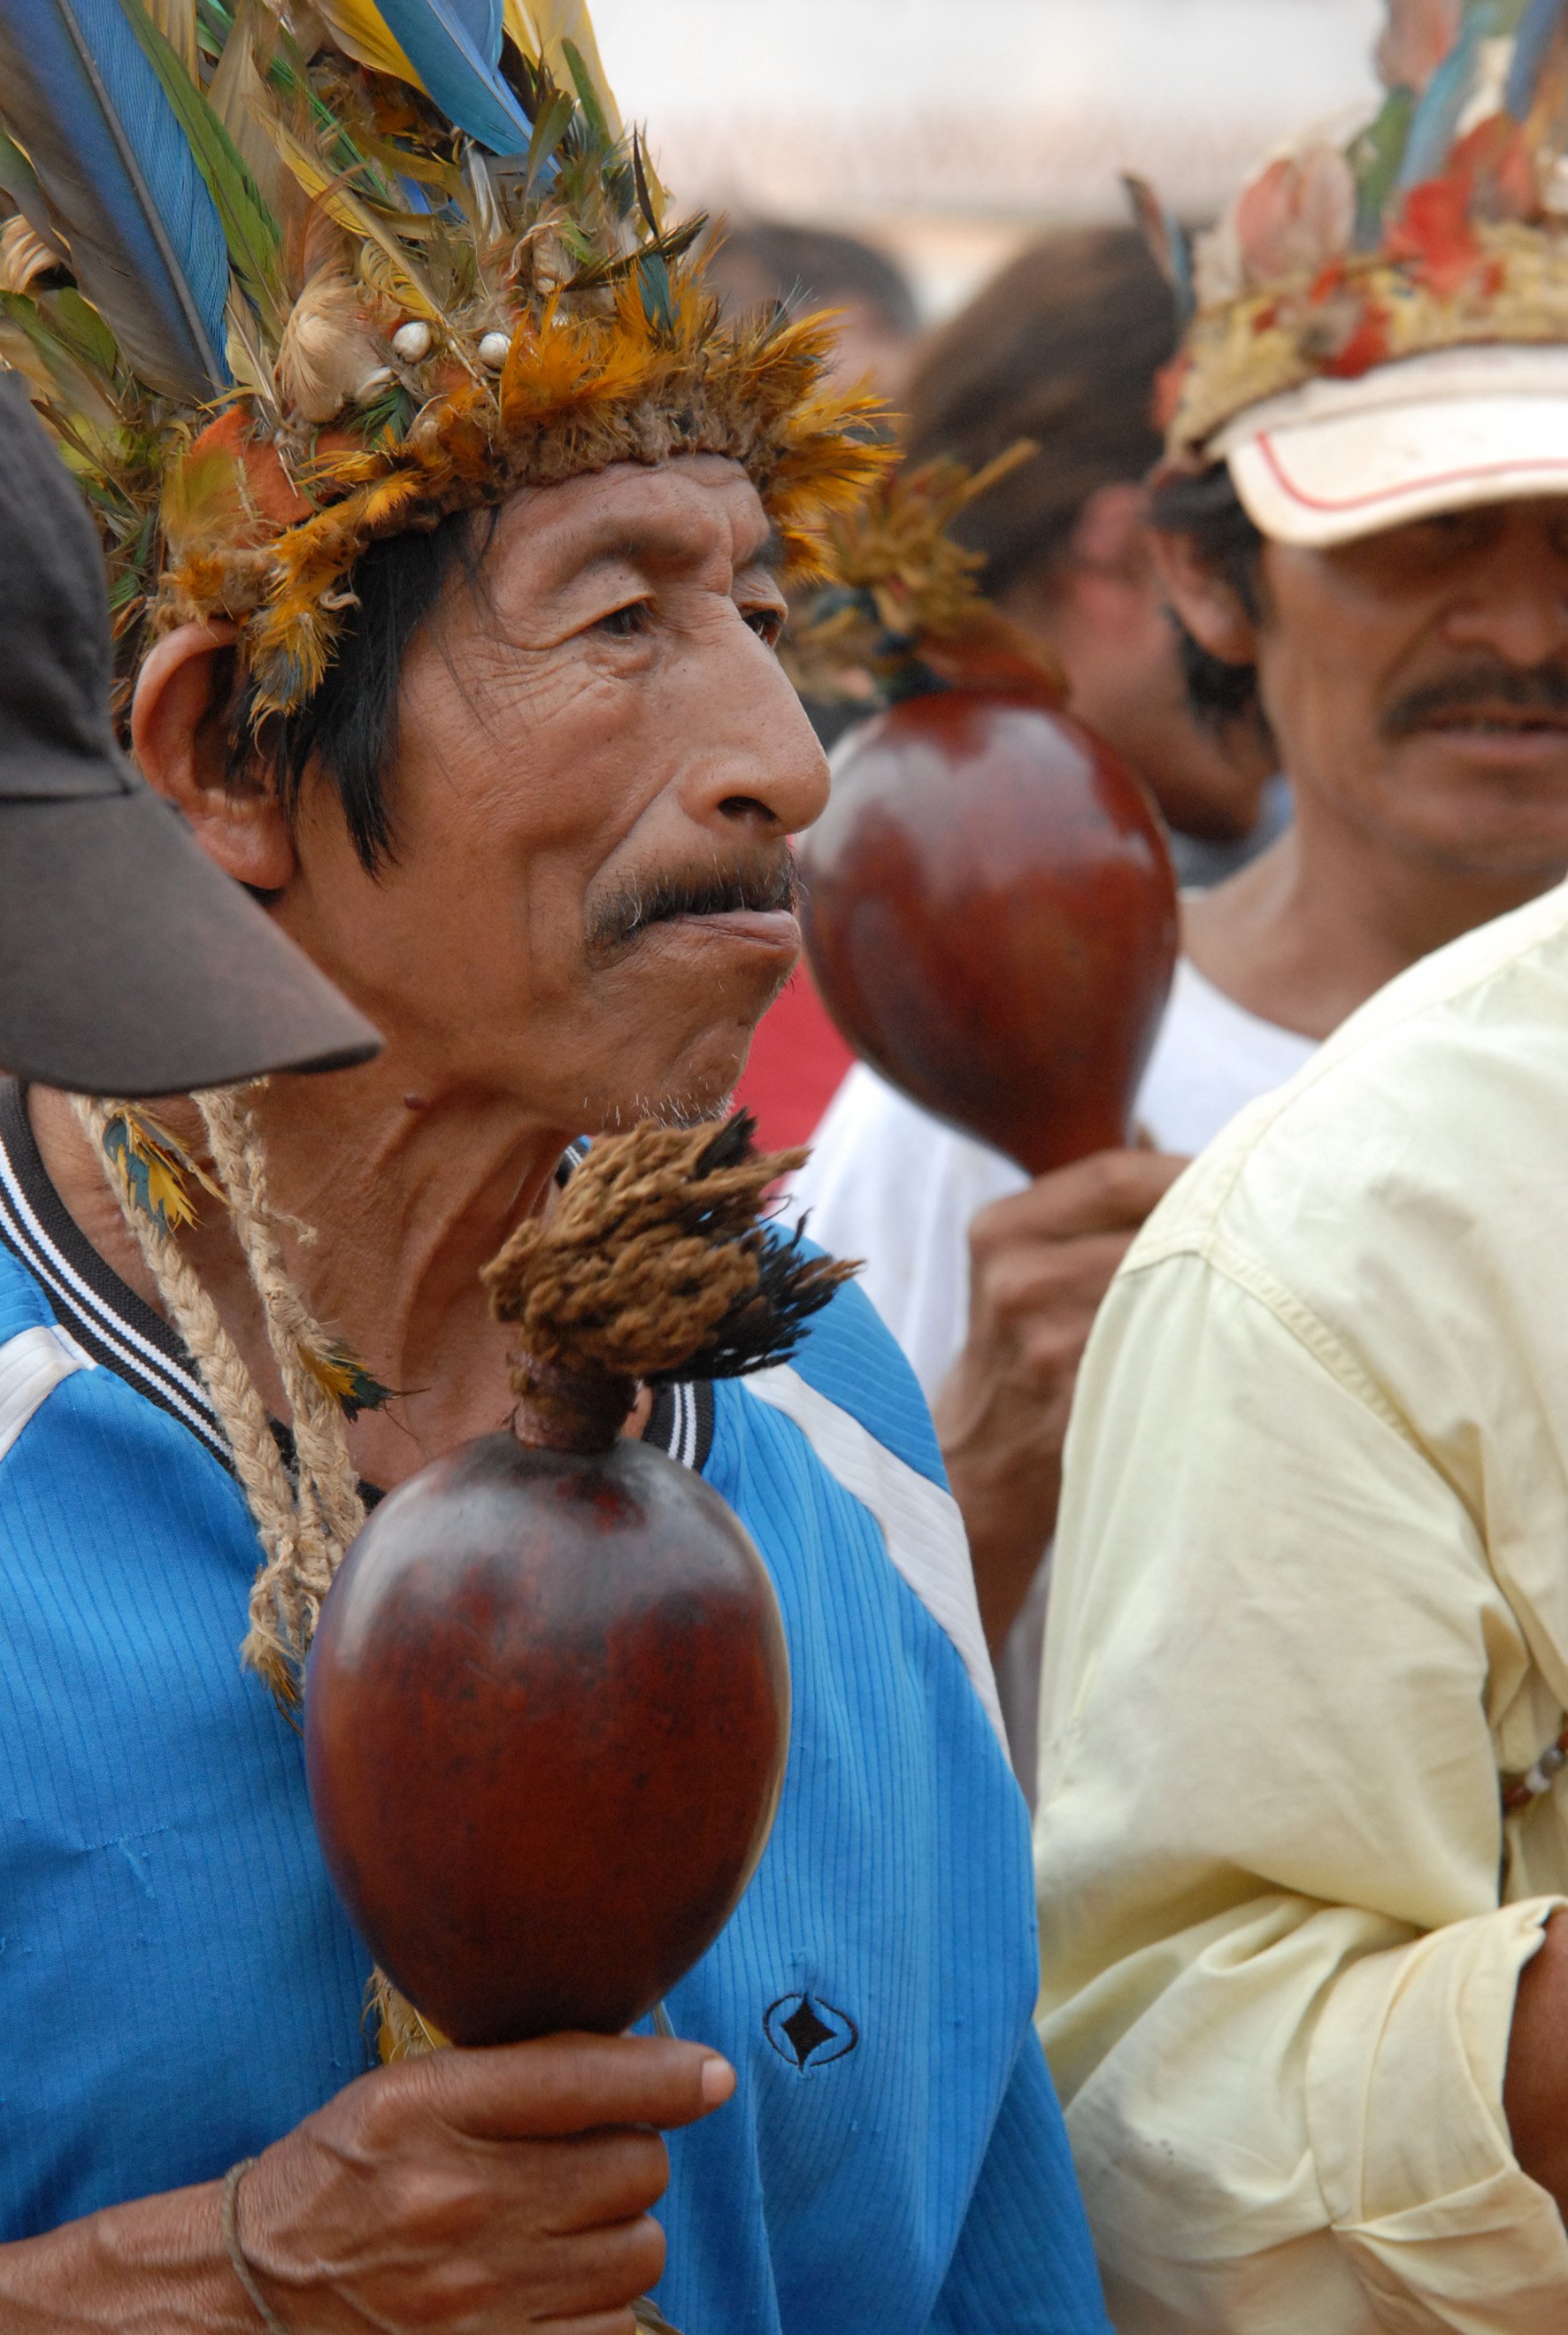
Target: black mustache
{"points": [[719, 888], [1544, 689]]}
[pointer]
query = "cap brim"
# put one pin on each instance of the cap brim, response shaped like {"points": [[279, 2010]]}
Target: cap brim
{"points": [[1440, 433], [130, 964]]}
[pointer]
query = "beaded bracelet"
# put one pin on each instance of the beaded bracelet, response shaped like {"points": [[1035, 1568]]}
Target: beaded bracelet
{"points": [[1519, 1792], [228, 2222]]}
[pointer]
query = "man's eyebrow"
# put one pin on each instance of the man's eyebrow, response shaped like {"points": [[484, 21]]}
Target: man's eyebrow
{"points": [[603, 545], [604, 542]]}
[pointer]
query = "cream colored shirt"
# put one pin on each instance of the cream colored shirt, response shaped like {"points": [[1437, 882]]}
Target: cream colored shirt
{"points": [[1311, 1596]]}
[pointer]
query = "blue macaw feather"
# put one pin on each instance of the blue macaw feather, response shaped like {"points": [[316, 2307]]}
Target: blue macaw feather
{"points": [[1437, 117], [483, 20], [147, 245], [1531, 43], [453, 45]]}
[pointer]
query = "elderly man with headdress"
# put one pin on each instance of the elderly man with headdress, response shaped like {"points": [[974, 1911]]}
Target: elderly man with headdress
{"points": [[1302, 1839], [446, 527]]}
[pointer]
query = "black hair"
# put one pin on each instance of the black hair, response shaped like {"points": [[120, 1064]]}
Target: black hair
{"points": [[1062, 347], [349, 728], [1203, 506]]}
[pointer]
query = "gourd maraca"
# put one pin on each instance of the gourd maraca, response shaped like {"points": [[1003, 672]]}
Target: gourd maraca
{"points": [[546, 1707], [989, 911]]}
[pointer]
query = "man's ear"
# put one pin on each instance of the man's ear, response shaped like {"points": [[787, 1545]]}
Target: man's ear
{"points": [[180, 734], [1208, 606]]}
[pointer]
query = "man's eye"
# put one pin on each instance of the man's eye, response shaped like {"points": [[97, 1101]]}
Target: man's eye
{"points": [[622, 623], [767, 623]]}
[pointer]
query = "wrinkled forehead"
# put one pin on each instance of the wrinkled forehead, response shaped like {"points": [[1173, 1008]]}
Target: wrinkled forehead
{"points": [[695, 515]]}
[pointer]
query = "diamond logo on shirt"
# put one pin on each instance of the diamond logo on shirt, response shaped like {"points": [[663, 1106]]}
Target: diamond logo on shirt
{"points": [[807, 2031]]}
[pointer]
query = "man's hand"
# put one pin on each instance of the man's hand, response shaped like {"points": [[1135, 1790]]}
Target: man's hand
{"points": [[1040, 1263], [471, 2193], [478, 2189]]}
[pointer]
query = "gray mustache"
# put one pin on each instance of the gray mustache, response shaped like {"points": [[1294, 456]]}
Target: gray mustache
{"points": [[719, 888]]}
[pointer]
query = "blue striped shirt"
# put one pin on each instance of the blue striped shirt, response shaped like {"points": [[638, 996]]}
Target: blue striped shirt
{"points": [[179, 1985]]}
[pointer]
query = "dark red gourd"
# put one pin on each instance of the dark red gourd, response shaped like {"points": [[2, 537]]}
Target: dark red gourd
{"points": [[546, 1724], [547, 1702], [991, 917]]}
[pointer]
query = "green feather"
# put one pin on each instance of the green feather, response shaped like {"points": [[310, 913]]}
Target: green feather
{"points": [[1375, 157], [82, 328], [587, 96], [553, 122], [81, 387]]}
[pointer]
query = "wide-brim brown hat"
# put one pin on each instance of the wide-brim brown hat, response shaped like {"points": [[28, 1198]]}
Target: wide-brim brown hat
{"points": [[129, 963]]}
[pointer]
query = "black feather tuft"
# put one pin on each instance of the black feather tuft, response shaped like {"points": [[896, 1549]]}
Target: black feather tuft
{"points": [[765, 1326]]}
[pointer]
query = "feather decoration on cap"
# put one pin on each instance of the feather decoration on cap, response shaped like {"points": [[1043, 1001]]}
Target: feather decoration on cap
{"points": [[1440, 222], [371, 262]]}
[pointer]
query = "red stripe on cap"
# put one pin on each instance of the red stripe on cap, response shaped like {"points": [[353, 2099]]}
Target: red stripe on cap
{"points": [[1407, 487]]}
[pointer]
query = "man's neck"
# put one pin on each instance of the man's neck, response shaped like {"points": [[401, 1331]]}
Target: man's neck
{"points": [[407, 1196], [1312, 928]]}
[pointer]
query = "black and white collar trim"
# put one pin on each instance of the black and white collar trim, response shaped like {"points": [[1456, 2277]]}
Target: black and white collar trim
{"points": [[121, 1330], [681, 1421], [118, 1329]]}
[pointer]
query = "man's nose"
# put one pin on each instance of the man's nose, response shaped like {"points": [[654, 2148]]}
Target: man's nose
{"points": [[1516, 599], [764, 770]]}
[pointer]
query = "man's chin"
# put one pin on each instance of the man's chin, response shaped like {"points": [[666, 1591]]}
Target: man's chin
{"points": [[699, 1085], [670, 1059]]}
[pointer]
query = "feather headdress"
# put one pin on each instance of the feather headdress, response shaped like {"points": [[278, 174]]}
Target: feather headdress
{"points": [[288, 276], [1439, 221]]}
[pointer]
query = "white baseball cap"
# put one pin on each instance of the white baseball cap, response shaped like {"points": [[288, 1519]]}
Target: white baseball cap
{"points": [[1335, 459]]}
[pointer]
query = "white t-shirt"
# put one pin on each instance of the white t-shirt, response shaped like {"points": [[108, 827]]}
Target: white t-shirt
{"points": [[887, 1182]]}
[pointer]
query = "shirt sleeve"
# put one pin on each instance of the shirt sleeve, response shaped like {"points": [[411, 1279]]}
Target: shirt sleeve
{"points": [[1278, 1972], [1023, 2264]]}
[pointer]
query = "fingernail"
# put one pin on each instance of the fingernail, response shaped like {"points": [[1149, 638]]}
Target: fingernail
{"points": [[717, 2081]]}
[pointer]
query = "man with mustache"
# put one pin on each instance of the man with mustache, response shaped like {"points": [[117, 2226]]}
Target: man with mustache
{"points": [[449, 624], [1301, 1845]]}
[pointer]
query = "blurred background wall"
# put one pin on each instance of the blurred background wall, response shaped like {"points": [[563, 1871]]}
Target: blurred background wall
{"points": [[950, 133]]}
